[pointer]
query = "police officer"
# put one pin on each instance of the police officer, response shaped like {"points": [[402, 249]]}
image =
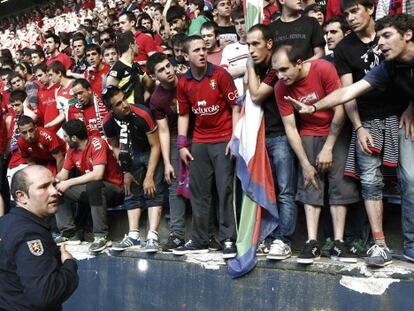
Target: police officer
{"points": [[34, 274]]}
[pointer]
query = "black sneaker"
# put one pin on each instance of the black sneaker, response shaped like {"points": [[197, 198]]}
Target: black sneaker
{"points": [[69, 238], [340, 252], [379, 256], [190, 248], [99, 244], [229, 249], [310, 252], [172, 243], [214, 245]]}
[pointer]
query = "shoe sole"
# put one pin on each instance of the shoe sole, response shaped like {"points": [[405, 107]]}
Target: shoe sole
{"points": [[307, 261], [118, 249], [344, 259], [149, 250], [199, 251], [379, 266], [409, 258], [277, 257], [108, 244], [229, 256]]}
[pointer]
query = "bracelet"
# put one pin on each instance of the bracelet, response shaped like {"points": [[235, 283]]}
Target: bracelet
{"points": [[314, 107], [182, 142], [356, 130]]}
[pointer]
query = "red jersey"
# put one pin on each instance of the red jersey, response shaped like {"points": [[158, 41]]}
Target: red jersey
{"points": [[321, 80], [65, 98], [211, 99], [92, 115], [146, 44], [97, 152], [6, 107], [47, 109], [61, 57], [96, 79], [41, 152]]}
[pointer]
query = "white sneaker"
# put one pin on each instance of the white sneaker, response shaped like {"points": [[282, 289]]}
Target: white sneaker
{"points": [[279, 251]]}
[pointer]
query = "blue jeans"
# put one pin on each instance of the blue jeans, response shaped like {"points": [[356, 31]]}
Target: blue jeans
{"points": [[406, 178], [372, 182], [284, 169]]}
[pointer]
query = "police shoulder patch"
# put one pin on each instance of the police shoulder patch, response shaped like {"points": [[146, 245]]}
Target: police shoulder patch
{"points": [[36, 247]]}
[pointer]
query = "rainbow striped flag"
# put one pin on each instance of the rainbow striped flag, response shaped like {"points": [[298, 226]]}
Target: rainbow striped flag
{"points": [[259, 215]]}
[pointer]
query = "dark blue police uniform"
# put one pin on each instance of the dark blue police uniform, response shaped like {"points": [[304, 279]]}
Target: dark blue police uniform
{"points": [[32, 276]]}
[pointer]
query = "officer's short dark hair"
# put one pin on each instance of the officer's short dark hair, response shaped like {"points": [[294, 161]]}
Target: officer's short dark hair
{"points": [[108, 94], [75, 128], [153, 60], [83, 82], [24, 120], [17, 95], [188, 40], [19, 182]]}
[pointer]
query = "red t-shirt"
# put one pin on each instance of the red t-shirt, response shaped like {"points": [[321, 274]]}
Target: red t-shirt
{"points": [[47, 110], [215, 57], [92, 120], [96, 79], [6, 107], [97, 152], [65, 98], [61, 57], [146, 44], [211, 100], [321, 80], [41, 152]]}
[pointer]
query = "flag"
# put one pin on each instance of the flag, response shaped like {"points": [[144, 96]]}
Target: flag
{"points": [[253, 10], [259, 215]]}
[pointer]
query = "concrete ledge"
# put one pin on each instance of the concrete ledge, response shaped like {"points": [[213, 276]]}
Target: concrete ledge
{"points": [[140, 281]]}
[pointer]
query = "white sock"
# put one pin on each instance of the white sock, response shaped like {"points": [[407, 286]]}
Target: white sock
{"points": [[152, 235], [134, 234]]}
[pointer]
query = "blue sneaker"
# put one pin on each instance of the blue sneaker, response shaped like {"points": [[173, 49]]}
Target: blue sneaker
{"points": [[409, 253], [127, 242]]}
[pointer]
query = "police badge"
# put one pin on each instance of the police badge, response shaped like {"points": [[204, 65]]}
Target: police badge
{"points": [[36, 247]]}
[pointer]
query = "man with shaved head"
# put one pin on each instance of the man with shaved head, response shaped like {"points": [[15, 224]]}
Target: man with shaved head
{"points": [[35, 273]]}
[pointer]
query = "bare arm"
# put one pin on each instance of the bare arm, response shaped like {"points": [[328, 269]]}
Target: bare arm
{"points": [[258, 91], [183, 121], [56, 121], [351, 107], [154, 142], [96, 174], [309, 172], [59, 160], [164, 133], [318, 52]]}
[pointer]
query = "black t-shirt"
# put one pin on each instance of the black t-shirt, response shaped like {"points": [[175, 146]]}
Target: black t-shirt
{"points": [[273, 121], [80, 65], [129, 80], [140, 122], [356, 57], [305, 33]]}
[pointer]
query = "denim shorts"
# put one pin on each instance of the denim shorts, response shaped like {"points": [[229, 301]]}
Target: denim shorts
{"points": [[137, 198]]}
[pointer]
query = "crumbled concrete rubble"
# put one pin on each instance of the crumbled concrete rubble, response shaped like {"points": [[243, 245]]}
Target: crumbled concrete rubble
{"points": [[80, 252], [370, 285], [211, 261]]}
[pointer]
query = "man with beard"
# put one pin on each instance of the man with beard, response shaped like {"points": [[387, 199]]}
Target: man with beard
{"points": [[40, 146], [89, 108], [52, 43]]}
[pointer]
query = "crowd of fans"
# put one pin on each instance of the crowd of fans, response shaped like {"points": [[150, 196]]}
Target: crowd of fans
{"points": [[130, 102]]}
